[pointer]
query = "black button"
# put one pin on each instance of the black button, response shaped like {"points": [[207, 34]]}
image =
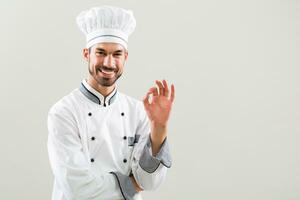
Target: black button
{"points": [[124, 160], [93, 138], [124, 137], [90, 114], [122, 114], [92, 160]]}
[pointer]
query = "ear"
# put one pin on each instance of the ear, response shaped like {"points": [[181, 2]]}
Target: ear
{"points": [[126, 55], [86, 54]]}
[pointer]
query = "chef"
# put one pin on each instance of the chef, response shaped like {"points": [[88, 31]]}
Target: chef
{"points": [[103, 144]]}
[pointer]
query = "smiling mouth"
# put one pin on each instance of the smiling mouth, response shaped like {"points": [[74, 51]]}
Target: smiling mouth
{"points": [[106, 71]]}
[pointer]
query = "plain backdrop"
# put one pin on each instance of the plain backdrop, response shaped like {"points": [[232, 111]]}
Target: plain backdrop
{"points": [[234, 130]]}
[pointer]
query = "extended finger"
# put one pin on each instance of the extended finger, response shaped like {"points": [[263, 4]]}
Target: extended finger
{"points": [[172, 93], [161, 87], [166, 88]]}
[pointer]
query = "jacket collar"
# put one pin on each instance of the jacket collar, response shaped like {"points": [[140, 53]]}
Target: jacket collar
{"points": [[96, 96]]}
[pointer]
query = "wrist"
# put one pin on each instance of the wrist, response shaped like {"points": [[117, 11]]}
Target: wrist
{"points": [[136, 186], [158, 129]]}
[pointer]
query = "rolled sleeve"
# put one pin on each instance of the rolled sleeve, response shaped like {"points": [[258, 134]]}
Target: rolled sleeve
{"points": [[150, 163]]}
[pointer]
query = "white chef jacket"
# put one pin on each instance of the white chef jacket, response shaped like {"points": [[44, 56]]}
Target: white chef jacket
{"points": [[95, 143]]}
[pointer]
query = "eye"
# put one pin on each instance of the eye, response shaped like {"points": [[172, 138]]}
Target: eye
{"points": [[118, 54], [100, 53]]}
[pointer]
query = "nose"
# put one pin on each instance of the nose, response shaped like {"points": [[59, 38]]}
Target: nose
{"points": [[109, 61]]}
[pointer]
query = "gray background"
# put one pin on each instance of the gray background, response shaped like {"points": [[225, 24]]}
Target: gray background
{"points": [[235, 65]]}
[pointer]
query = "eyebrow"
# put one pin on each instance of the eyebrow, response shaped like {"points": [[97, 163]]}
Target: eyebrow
{"points": [[117, 51]]}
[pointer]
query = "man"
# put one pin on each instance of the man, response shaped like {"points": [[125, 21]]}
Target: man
{"points": [[102, 143]]}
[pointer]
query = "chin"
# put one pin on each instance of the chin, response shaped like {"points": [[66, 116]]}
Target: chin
{"points": [[106, 82]]}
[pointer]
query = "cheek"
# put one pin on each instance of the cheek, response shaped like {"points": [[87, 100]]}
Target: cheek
{"points": [[120, 63], [120, 66], [95, 60], [96, 63]]}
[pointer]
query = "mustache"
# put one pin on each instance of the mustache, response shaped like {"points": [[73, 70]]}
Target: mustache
{"points": [[107, 68]]}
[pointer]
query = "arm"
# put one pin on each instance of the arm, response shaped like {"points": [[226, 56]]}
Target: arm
{"points": [[158, 111], [71, 166], [151, 156]]}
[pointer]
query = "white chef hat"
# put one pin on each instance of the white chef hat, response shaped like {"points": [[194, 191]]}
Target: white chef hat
{"points": [[106, 24]]}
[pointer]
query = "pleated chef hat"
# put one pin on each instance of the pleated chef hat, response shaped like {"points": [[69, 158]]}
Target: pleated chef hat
{"points": [[106, 24]]}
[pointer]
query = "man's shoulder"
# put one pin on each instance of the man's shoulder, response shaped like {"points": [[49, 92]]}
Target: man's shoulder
{"points": [[66, 103]]}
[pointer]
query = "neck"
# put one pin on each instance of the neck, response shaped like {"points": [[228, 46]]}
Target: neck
{"points": [[105, 91]]}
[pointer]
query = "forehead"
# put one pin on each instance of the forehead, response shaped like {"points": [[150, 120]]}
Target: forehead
{"points": [[109, 47]]}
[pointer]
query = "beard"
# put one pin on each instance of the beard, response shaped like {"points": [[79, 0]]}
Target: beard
{"points": [[101, 80]]}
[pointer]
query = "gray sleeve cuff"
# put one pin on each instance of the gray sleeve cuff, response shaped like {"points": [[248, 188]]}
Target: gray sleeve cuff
{"points": [[126, 186], [149, 163]]}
